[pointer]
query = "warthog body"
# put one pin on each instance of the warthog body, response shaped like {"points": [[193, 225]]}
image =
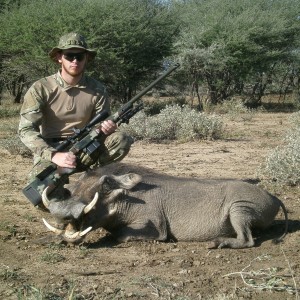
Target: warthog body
{"points": [[135, 203]]}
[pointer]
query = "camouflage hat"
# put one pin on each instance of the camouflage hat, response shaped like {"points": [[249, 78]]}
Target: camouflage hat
{"points": [[72, 40]]}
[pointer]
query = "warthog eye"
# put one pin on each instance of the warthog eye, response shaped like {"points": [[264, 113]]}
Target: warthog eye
{"points": [[106, 189], [107, 184]]}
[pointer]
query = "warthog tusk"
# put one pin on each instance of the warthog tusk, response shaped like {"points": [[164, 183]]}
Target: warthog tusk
{"points": [[45, 199], [84, 232], [52, 228], [73, 236], [67, 235], [91, 204]]}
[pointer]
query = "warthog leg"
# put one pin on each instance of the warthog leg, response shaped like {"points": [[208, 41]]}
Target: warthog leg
{"points": [[243, 239]]}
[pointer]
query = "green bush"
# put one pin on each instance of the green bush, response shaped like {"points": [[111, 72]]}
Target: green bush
{"points": [[14, 146], [175, 123], [155, 107], [9, 139], [9, 111], [283, 163], [235, 109]]}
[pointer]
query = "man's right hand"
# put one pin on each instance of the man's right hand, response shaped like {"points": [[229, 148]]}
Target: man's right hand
{"points": [[64, 159]]}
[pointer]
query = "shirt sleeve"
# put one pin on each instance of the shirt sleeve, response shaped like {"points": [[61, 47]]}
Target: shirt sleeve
{"points": [[103, 102], [31, 115]]}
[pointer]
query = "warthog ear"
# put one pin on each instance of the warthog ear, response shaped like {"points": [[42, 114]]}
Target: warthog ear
{"points": [[128, 181], [113, 182]]}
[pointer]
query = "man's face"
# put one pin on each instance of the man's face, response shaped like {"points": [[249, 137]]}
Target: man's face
{"points": [[73, 61]]}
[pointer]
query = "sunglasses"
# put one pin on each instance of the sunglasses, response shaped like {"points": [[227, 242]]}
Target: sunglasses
{"points": [[72, 56]]}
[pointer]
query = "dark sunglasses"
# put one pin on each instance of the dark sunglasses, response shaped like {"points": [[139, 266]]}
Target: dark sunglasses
{"points": [[72, 56]]}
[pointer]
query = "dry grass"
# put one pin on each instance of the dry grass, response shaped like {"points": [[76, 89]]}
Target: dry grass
{"points": [[273, 278]]}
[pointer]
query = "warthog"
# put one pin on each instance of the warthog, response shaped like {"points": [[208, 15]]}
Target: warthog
{"points": [[135, 203]]}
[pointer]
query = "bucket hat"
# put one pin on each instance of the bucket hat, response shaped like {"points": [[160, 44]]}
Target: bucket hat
{"points": [[72, 40]]}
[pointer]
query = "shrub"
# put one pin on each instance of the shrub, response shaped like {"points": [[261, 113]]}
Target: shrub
{"points": [[155, 107], [14, 146], [7, 109], [283, 163], [9, 139], [236, 110], [175, 123]]}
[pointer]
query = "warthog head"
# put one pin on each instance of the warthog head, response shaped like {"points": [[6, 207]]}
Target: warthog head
{"points": [[92, 201]]}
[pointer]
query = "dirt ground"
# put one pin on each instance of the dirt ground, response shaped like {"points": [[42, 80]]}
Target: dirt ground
{"points": [[36, 265]]}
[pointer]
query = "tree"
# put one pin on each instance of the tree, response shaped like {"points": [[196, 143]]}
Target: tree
{"points": [[233, 46], [9, 4], [132, 38]]}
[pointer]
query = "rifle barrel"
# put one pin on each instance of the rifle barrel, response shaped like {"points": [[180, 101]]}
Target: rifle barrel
{"points": [[151, 85]]}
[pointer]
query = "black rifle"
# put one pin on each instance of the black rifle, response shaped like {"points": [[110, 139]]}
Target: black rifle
{"points": [[85, 140]]}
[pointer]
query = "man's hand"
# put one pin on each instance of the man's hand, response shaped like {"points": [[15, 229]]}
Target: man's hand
{"points": [[64, 159], [108, 127]]}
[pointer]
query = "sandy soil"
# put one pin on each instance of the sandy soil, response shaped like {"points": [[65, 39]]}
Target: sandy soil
{"points": [[36, 265]]}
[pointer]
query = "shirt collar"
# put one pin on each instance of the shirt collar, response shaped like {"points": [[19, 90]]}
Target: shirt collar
{"points": [[65, 86]]}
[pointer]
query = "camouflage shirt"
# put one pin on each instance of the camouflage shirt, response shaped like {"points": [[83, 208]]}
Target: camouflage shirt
{"points": [[52, 108]]}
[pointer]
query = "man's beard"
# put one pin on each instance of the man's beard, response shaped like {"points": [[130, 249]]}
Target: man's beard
{"points": [[75, 72]]}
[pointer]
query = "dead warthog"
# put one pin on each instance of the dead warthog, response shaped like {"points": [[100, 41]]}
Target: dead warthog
{"points": [[135, 203]]}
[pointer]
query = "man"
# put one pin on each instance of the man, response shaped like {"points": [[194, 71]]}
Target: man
{"points": [[69, 99]]}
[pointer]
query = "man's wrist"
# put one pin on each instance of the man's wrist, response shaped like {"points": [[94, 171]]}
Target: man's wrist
{"points": [[48, 153]]}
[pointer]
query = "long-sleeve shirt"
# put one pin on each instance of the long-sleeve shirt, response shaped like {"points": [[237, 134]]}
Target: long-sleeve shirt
{"points": [[52, 108]]}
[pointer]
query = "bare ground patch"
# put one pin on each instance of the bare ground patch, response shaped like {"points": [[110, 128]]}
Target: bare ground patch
{"points": [[35, 265]]}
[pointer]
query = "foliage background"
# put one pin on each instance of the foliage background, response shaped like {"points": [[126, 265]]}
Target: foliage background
{"points": [[131, 38], [226, 48]]}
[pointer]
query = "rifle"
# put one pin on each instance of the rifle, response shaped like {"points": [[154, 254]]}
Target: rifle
{"points": [[84, 140]]}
